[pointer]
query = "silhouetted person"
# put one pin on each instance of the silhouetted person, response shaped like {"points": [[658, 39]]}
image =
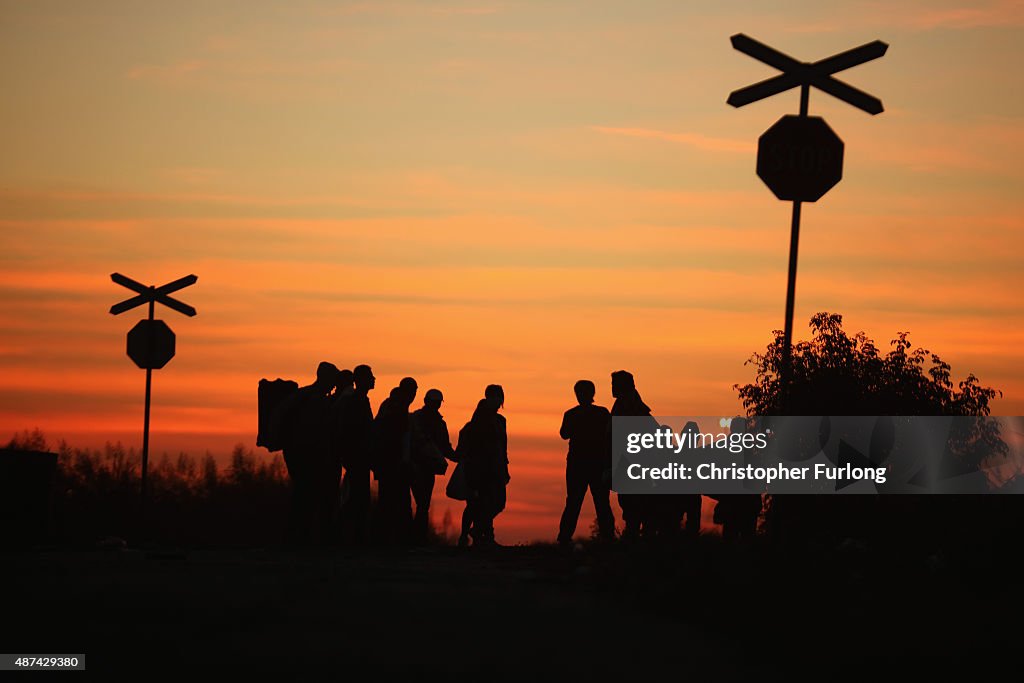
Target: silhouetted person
{"points": [[496, 395], [355, 423], [431, 449], [409, 386], [664, 512], [392, 464], [588, 463], [483, 448], [738, 512], [343, 390], [306, 453], [345, 385], [691, 503], [635, 506]]}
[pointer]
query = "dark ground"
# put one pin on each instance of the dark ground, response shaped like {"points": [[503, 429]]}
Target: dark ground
{"points": [[522, 613]]}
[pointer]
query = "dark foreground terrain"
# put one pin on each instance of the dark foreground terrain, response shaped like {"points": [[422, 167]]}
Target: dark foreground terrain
{"points": [[521, 613]]}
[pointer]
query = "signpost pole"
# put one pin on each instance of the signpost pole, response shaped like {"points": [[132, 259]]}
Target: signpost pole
{"points": [[787, 341], [794, 243], [145, 426]]}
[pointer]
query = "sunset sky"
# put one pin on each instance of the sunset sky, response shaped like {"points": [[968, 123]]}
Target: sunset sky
{"points": [[524, 193]]}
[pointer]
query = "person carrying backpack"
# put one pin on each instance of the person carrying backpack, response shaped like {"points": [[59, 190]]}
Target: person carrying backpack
{"points": [[306, 440]]}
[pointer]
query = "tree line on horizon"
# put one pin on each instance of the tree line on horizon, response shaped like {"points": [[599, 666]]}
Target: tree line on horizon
{"points": [[195, 501], [192, 500]]}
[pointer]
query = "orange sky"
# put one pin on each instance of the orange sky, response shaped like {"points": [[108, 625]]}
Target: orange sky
{"points": [[471, 192]]}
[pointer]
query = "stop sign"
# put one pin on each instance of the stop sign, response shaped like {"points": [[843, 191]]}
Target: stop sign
{"points": [[800, 158], [151, 344]]}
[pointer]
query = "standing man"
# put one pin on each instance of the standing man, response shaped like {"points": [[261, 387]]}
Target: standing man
{"points": [[355, 422], [431, 450], [306, 456], [588, 464], [392, 462]]}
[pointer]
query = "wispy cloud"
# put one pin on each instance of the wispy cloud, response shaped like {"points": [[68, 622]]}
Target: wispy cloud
{"points": [[196, 71], [470, 11], [93, 196], [695, 140], [972, 15], [917, 16], [982, 145], [194, 175], [415, 9]]}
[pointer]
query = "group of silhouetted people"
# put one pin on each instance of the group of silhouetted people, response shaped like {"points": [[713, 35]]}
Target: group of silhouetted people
{"points": [[333, 443], [587, 427]]}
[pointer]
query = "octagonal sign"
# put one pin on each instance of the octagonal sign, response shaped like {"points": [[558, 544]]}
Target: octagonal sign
{"points": [[151, 344], [800, 158]]}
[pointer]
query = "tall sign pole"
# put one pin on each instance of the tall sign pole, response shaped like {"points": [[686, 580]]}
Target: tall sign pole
{"points": [[151, 342], [800, 158]]}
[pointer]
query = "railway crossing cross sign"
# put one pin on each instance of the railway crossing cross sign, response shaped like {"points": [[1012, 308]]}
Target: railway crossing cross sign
{"points": [[151, 342], [806, 74], [800, 158]]}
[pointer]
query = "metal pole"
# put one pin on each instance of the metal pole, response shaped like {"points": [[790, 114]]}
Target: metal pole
{"points": [[794, 243], [787, 341], [145, 423]]}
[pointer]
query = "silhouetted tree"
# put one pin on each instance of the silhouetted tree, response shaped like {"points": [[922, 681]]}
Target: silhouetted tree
{"points": [[209, 472], [26, 440], [834, 373], [242, 470]]}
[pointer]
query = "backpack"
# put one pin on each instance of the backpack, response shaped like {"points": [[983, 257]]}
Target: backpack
{"points": [[272, 399]]}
